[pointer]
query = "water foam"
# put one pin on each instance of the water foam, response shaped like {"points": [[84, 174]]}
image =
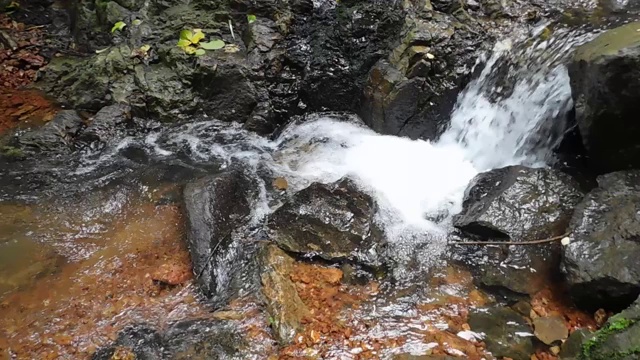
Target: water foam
{"points": [[513, 113]]}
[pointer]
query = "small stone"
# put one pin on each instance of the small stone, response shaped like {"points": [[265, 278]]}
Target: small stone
{"points": [[555, 350], [550, 329], [280, 183], [600, 317], [533, 314], [172, 274]]}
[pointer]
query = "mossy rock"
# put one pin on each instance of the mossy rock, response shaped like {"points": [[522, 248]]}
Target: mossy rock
{"points": [[619, 338]]}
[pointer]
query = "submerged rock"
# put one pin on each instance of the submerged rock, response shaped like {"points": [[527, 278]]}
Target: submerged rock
{"points": [[517, 203], [334, 222], [189, 339], [619, 338], [601, 262], [283, 302], [506, 333], [217, 208], [55, 136], [605, 83]]}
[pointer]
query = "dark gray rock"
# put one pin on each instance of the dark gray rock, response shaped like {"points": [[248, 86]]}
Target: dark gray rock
{"points": [[217, 208], [619, 338], [413, 90], [334, 222], [189, 339], [518, 204], [106, 125], [506, 333], [605, 83], [601, 262], [572, 348], [55, 136]]}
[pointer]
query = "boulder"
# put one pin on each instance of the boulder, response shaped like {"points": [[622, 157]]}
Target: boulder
{"points": [[619, 338], [332, 221], [413, 90], [605, 83], [601, 262], [518, 204], [283, 302], [217, 208], [506, 333]]}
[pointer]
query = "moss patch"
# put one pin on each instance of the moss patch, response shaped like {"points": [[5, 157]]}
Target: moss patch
{"points": [[616, 324]]}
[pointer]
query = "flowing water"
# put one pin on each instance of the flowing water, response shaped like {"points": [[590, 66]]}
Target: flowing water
{"points": [[77, 212]]}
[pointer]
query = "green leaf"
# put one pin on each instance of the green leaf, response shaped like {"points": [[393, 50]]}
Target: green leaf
{"points": [[118, 26], [251, 18], [213, 45], [190, 50], [137, 22], [186, 35], [200, 52], [197, 36], [100, 51], [183, 43], [145, 48]]}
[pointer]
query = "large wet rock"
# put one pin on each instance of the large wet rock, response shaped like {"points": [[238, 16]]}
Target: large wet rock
{"points": [[332, 221], [619, 338], [283, 302], [506, 333], [601, 262], [296, 56], [217, 208], [412, 91], [605, 83], [517, 203]]}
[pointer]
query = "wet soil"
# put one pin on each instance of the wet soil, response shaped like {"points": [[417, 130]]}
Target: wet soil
{"points": [[20, 61], [142, 273]]}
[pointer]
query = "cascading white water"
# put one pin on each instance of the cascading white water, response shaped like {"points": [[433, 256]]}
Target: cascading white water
{"points": [[418, 184]]}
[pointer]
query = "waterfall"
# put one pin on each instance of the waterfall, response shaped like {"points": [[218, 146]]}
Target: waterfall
{"points": [[512, 113]]}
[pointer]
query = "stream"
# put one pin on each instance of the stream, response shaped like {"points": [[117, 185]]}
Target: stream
{"points": [[86, 238]]}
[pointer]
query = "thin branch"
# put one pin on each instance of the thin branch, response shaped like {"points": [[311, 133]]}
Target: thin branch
{"points": [[532, 242]]}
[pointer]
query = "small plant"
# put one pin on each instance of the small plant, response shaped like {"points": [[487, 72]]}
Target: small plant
{"points": [[118, 26], [251, 18], [190, 42]]}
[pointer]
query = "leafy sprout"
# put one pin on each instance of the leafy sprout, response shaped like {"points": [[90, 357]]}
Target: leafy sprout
{"points": [[251, 18], [137, 22], [118, 26], [190, 42]]}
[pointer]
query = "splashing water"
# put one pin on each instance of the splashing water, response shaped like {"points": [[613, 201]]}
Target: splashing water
{"points": [[418, 184], [512, 113]]}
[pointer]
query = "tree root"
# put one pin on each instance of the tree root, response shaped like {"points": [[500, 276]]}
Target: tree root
{"points": [[532, 242]]}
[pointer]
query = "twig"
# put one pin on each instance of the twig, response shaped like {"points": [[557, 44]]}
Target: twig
{"points": [[532, 242]]}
